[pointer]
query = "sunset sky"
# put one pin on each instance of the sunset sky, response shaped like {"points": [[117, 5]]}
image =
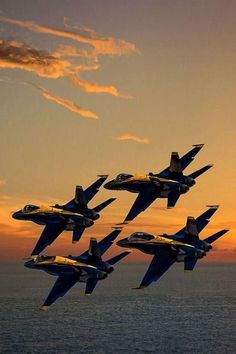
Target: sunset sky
{"points": [[103, 87]]}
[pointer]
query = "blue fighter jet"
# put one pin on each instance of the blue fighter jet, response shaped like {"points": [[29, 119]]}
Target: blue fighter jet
{"points": [[87, 268], [184, 246], [73, 216], [169, 183]]}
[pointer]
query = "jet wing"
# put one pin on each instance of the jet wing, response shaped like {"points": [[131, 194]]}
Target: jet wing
{"points": [[182, 162], [159, 265], [62, 285], [49, 234], [142, 202], [92, 190]]}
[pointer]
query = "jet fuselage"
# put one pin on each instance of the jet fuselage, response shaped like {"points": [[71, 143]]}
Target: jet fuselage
{"points": [[66, 266], [138, 183], [150, 244], [44, 215]]}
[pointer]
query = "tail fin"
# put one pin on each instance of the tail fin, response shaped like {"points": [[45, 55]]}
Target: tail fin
{"points": [[199, 172], [191, 231], [94, 250], [215, 236], [79, 202], [105, 243], [103, 205], [118, 258], [175, 164]]}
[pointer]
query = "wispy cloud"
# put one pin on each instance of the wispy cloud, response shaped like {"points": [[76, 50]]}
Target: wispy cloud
{"points": [[101, 45], [131, 137], [72, 106], [96, 88], [66, 60], [16, 55]]}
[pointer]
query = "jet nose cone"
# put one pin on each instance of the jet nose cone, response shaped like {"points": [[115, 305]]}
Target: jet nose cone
{"points": [[122, 243], [16, 215], [28, 264], [108, 185]]}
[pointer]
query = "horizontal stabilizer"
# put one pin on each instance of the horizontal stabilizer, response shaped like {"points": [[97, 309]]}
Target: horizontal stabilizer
{"points": [[214, 237], [172, 199], [92, 190], [118, 258], [103, 205], [77, 233], [90, 286], [199, 172], [189, 264]]}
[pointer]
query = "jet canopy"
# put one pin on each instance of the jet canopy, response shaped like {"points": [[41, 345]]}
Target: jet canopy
{"points": [[138, 236], [28, 208], [122, 177]]}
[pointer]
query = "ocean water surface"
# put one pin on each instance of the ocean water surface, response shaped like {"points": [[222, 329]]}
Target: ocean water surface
{"points": [[182, 313]]}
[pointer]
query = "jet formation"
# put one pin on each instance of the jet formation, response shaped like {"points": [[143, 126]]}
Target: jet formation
{"points": [[76, 215]]}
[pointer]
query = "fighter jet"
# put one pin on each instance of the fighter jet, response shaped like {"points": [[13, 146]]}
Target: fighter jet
{"points": [[169, 183], [87, 268], [184, 246], [73, 216]]}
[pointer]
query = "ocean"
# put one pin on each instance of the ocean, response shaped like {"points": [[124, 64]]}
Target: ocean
{"points": [[182, 313]]}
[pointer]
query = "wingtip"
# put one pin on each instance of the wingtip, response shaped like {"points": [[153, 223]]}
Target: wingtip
{"points": [[87, 294], [140, 287], [102, 176], [123, 223], [198, 145], [216, 206], [44, 308]]}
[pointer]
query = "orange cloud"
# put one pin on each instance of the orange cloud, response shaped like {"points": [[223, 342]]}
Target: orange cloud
{"points": [[95, 88], [131, 137], [16, 55], [72, 106], [101, 45]]}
